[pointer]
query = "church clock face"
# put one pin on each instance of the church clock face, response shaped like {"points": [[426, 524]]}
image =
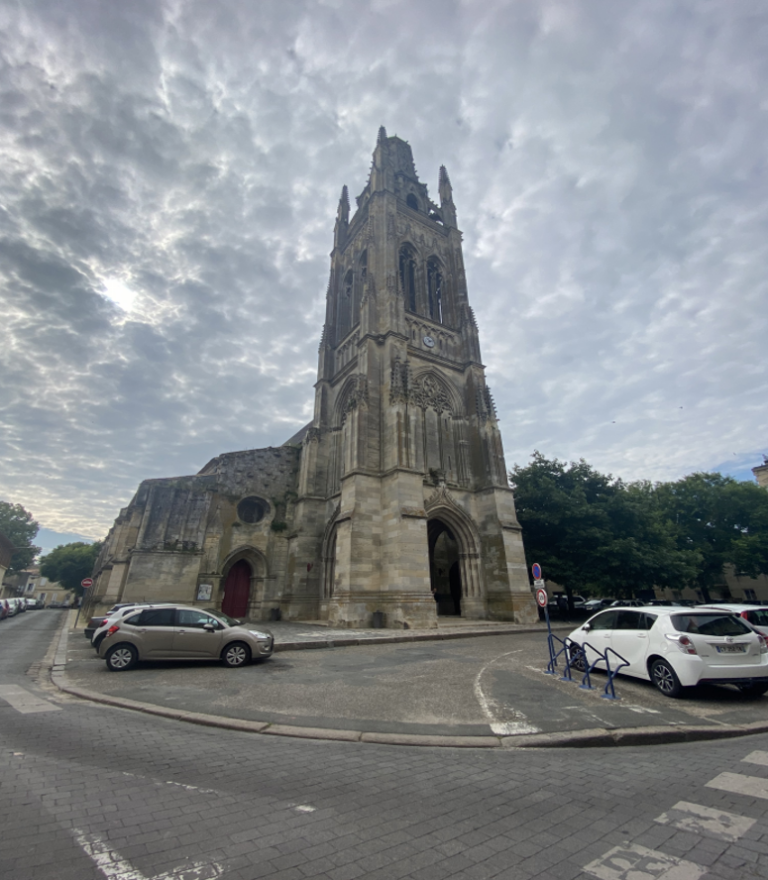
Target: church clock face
{"points": [[429, 342]]}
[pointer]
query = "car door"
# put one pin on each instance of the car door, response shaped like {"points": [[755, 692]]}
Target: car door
{"points": [[154, 631], [192, 640], [629, 640], [595, 635]]}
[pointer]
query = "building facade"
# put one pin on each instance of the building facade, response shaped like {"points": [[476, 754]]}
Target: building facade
{"points": [[394, 499]]}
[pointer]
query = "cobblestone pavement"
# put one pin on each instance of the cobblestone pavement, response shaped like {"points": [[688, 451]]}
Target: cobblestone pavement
{"points": [[92, 792]]}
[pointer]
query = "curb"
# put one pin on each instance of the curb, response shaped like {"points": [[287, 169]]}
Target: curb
{"points": [[592, 738]]}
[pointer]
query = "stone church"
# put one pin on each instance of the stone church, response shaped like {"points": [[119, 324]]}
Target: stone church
{"points": [[392, 506]]}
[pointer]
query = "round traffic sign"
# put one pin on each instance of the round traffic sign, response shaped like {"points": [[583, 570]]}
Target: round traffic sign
{"points": [[86, 582], [536, 571], [541, 597]]}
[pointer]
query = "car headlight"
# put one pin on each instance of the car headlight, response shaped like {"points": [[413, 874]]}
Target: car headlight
{"points": [[259, 635]]}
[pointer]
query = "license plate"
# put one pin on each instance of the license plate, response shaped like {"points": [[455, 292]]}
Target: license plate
{"points": [[730, 649]]}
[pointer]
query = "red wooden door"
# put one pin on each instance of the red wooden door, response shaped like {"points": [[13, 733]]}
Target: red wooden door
{"points": [[237, 590]]}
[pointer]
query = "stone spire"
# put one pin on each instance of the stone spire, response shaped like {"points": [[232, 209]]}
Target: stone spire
{"points": [[447, 208], [342, 219]]}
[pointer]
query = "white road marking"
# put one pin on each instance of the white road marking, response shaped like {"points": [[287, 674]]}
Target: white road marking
{"points": [[752, 786], [638, 863], [757, 757], [642, 710], [706, 821], [491, 708], [25, 702], [305, 808], [114, 867]]}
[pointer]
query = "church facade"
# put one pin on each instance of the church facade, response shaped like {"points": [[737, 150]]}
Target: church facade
{"points": [[394, 500]]}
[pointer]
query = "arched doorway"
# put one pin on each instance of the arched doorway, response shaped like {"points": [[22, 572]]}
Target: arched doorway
{"points": [[237, 590], [444, 568]]}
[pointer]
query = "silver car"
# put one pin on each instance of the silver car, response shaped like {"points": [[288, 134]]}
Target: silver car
{"points": [[178, 632]]}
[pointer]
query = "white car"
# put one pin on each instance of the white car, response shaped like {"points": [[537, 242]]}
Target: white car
{"points": [[753, 614], [675, 648]]}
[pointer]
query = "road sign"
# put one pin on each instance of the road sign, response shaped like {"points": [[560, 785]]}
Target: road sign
{"points": [[536, 571], [541, 597], [539, 582], [86, 582]]}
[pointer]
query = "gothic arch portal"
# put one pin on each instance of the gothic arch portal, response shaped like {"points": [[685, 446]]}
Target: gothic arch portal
{"points": [[243, 578], [444, 513]]}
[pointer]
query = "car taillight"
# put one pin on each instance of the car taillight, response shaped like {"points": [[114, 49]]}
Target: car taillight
{"points": [[763, 644], [745, 615], [112, 630], [684, 643]]}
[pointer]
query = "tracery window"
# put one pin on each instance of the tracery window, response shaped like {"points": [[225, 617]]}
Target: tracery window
{"points": [[345, 305]]}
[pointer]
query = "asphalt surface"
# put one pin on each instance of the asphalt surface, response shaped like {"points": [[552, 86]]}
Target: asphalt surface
{"points": [[431, 689], [92, 792]]}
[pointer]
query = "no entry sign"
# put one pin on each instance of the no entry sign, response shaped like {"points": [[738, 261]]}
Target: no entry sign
{"points": [[86, 582]]}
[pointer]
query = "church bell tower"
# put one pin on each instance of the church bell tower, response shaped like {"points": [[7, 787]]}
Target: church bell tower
{"points": [[403, 497]]}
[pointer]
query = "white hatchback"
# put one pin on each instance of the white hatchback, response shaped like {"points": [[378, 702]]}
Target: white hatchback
{"points": [[674, 648], [754, 614]]}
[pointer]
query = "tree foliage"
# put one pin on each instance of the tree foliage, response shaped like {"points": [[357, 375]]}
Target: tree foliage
{"points": [[593, 533], [68, 564], [18, 526]]}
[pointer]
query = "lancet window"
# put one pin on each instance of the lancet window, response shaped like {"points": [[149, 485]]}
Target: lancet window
{"points": [[435, 291], [408, 276]]}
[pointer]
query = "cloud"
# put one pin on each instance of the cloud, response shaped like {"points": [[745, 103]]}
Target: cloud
{"points": [[168, 185]]}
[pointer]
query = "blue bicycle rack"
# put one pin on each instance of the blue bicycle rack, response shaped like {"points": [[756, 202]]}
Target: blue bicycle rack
{"points": [[571, 657]]}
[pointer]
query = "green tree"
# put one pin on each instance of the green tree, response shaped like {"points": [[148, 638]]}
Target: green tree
{"points": [[68, 564], [593, 533], [18, 526], [724, 521]]}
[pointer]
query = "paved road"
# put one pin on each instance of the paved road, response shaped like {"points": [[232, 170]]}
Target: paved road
{"points": [[493, 685], [92, 792]]}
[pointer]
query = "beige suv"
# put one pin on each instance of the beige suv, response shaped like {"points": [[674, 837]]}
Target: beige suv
{"points": [[178, 632]]}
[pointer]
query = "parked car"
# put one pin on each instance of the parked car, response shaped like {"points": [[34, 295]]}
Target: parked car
{"points": [[593, 605], [5, 609], [627, 603], [182, 633], [99, 620], [124, 610], [757, 616], [675, 649]]}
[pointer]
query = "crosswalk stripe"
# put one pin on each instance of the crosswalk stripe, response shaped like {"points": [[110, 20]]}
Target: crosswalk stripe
{"points": [[706, 821], [752, 786], [25, 702], [636, 862], [757, 757]]}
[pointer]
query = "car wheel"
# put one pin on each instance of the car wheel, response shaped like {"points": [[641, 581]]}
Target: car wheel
{"points": [[236, 654], [753, 690], [665, 679], [121, 657], [577, 658]]}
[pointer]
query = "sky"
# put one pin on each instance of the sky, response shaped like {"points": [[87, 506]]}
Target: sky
{"points": [[169, 176]]}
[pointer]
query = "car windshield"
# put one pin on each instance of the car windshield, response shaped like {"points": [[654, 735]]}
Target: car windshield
{"points": [[710, 624], [230, 621]]}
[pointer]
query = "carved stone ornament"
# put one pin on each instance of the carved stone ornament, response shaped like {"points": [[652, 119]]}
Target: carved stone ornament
{"points": [[400, 381], [358, 395], [312, 435], [430, 393]]}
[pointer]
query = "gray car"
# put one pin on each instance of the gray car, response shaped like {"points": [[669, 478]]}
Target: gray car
{"points": [[180, 632]]}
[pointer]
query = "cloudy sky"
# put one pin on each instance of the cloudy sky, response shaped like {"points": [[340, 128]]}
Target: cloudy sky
{"points": [[168, 185]]}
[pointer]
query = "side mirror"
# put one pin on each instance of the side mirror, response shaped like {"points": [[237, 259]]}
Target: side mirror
{"points": [[209, 627], [586, 627]]}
